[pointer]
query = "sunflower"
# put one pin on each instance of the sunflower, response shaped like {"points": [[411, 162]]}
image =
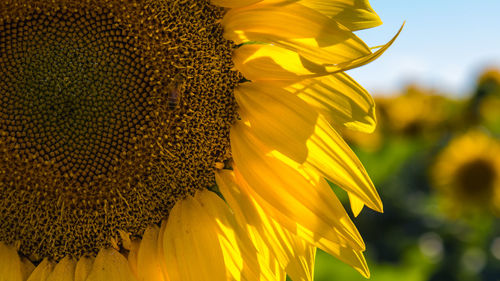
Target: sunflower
{"points": [[415, 111], [466, 174], [180, 140], [479, 107], [489, 81], [486, 99], [489, 114]]}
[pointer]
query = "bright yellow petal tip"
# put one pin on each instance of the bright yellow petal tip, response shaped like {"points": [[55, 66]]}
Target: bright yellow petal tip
{"points": [[273, 205]]}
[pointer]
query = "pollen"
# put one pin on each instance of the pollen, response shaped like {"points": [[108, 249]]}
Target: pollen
{"points": [[110, 112]]}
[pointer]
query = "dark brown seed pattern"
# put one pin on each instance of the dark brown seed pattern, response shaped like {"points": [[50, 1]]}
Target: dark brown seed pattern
{"points": [[475, 180], [110, 112]]}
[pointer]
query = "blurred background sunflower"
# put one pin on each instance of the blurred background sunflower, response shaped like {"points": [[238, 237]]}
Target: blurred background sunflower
{"points": [[467, 174], [438, 127]]}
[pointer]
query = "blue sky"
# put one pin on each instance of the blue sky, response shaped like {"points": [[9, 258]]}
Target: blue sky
{"points": [[444, 45]]}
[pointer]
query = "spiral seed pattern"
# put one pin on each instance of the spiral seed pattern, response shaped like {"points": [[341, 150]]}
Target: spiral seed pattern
{"points": [[110, 112]]}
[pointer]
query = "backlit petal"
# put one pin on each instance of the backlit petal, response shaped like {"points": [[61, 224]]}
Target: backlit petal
{"points": [[285, 123], [233, 3], [132, 255], [356, 204], [339, 98], [302, 268], [42, 271], [148, 264], [348, 255], [297, 28], [83, 268], [12, 267], [282, 121], [291, 252], [294, 198], [354, 14], [267, 62], [202, 231], [270, 62], [332, 157], [63, 271], [111, 266]]}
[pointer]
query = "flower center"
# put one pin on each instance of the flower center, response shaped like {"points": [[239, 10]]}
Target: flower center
{"points": [[476, 180], [110, 112]]}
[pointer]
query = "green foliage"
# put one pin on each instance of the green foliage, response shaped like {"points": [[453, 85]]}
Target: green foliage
{"points": [[415, 239]]}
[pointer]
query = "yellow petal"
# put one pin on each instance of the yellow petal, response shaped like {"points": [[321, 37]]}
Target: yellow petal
{"points": [[189, 240], [132, 255], [270, 238], [297, 28], [26, 268], [202, 231], [293, 198], [253, 218], [277, 118], [332, 157], [42, 271], [312, 35], [12, 267], [110, 265], [269, 62], [366, 59], [233, 3], [356, 204], [354, 14], [63, 271], [282, 21], [314, 51], [160, 251], [302, 268], [295, 255], [339, 98], [350, 256], [83, 268], [285, 123], [148, 264]]}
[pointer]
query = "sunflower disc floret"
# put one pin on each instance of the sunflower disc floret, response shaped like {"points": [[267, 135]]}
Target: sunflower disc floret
{"points": [[110, 112]]}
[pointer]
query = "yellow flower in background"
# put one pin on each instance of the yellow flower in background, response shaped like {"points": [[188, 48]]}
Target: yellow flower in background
{"points": [[490, 115], [124, 122], [480, 107], [466, 174], [415, 111], [487, 97], [489, 80]]}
